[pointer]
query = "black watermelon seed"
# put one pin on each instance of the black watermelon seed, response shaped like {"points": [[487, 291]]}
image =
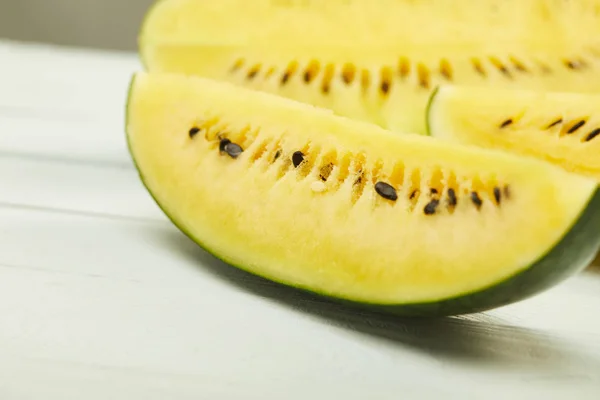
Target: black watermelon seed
{"points": [[576, 126], [414, 194], [385, 87], [497, 195], [277, 155], [553, 124], [434, 191], [452, 200], [592, 134], [572, 64], [476, 199], [223, 143], [506, 123], [431, 207], [194, 131], [233, 150], [386, 191], [285, 78], [297, 158]]}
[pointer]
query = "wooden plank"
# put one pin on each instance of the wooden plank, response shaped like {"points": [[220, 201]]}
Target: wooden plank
{"points": [[84, 140], [88, 300], [64, 102], [64, 80], [76, 187]]}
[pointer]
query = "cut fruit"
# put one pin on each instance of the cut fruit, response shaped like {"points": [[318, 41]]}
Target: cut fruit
{"points": [[369, 22], [561, 128], [403, 223], [362, 58]]}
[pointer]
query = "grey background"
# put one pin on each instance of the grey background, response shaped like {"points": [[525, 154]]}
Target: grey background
{"points": [[107, 24]]}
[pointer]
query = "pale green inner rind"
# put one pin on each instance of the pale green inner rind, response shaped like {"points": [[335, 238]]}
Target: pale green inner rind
{"points": [[428, 112]]}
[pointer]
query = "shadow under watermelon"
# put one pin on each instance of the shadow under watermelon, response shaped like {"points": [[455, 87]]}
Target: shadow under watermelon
{"points": [[478, 338]]}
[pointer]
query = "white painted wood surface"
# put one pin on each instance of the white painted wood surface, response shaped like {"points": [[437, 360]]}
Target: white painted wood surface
{"points": [[102, 298]]}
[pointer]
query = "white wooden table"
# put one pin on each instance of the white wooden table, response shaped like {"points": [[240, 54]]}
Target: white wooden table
{"points": [[102, 298]]}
